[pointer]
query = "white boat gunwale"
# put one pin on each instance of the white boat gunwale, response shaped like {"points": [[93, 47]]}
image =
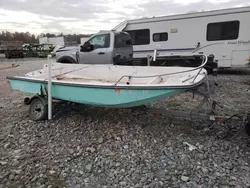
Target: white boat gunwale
{"points": [[125, 87]]}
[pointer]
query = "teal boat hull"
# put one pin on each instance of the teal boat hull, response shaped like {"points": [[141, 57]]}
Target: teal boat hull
{"points": [[97, 96]]}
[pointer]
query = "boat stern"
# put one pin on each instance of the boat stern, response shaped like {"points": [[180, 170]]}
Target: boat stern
{"points": [[25, 86]]}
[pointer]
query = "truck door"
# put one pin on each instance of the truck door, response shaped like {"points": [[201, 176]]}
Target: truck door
{"points": [[99, 54]]}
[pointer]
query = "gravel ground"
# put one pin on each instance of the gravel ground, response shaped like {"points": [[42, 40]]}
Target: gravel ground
{"points": [[94, 147]]}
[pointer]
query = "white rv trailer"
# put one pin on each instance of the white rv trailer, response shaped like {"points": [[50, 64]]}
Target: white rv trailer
{"points": [[224, 33], [57, 41]]}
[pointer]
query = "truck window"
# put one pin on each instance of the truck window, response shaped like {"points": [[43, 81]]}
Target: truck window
{"points": [[100, 41], [140, 37], [122, 40], [223, 31], [157, 37]]}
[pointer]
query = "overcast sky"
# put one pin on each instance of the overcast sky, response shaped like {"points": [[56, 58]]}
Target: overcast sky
{"points": [[88, 16]]}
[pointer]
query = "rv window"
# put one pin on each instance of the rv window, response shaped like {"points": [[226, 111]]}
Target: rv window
{"points": [[140, 37], [160, 37], [223, 31], [122, 40]]}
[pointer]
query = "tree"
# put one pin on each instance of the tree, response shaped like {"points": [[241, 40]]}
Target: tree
{"points": [[27, 37]]}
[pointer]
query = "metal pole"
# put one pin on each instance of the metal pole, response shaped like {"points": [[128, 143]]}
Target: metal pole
{"points": [[148, 60], [155, 54], [49, 88]]}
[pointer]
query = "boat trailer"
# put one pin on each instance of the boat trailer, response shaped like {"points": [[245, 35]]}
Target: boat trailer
{"points": [[38, 110]]}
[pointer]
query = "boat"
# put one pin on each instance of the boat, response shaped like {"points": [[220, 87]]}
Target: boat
{"points": [[111, 86]]}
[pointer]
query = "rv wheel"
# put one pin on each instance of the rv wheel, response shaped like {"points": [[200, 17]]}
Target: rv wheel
{"points": [[38, 110]]}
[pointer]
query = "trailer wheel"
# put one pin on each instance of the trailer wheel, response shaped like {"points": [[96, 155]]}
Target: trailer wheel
{"points": [[38, 110]]}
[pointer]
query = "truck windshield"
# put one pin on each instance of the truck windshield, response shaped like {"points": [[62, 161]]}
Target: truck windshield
{"points": [[122, 40]]}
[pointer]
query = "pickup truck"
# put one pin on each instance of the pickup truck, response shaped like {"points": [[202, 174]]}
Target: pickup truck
{"points": [[105, 47]]}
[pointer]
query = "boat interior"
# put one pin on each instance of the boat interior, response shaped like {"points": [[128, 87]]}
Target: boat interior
{"points": [[120, 75]]}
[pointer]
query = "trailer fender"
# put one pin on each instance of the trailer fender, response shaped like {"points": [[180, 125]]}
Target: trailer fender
{"points": [[28, 100], [67, 59]]}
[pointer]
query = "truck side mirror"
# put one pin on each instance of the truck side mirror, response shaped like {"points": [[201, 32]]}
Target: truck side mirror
{"points": [[82, 48], [86, 47], [90, 47]]}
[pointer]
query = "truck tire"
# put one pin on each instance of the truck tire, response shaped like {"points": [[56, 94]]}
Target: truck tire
{"points": [[66, 59]]}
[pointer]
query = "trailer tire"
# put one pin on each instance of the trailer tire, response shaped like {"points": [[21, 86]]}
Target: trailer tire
{"points": [[38, 110]]}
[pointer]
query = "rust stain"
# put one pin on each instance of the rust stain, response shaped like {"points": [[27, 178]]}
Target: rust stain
{"points": [[79, 79], [59, 78], [8, 67]]}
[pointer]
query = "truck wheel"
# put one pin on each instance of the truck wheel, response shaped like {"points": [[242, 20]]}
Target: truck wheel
{"points": [[65, 61], [38, 111]]}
